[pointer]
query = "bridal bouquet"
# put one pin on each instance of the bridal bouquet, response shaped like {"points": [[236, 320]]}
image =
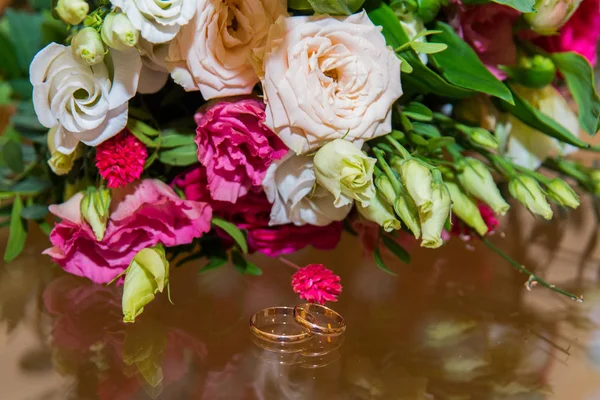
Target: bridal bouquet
{"points": [[181, 130]]}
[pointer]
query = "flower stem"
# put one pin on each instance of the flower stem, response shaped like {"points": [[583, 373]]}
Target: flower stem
{"points": [[288, 263], [401, 149]]}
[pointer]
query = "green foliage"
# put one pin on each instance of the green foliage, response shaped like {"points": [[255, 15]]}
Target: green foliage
{"points": [[332, 7], [241, 263], [179, 156], [236, 234], [396, 249], [380, 263], [521, 5], [17, 232]]}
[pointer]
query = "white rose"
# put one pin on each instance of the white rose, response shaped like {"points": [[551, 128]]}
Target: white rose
{"points": [[291, 187], [158, 21], [154, 72], [212, 52], [326, 78], [82, 102]]}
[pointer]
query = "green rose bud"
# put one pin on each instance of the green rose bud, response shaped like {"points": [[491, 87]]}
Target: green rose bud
{"points": [[406, 209], [147, 275], [95, 210], [72, 12], [483, 138], [562, 193], [478, 181], [380, 212], [417, 180], [466, 209], [346, 171], [385, 188], [118, 32], [432, 223], [87, 47], [550, 15], [528, 191]]}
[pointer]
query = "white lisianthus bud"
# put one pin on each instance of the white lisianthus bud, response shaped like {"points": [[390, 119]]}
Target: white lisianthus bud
{"points": [[87, 47], [147, 275], [483, 138], [562, 193], [466, 209], [417, 180], [346, 171], [550, 15], [73, 12], [385, 188], [478, 181], [118, 32], [95, 210], [380, 212], [433, 222], [528, 191], [59, 163], [406, 209]]}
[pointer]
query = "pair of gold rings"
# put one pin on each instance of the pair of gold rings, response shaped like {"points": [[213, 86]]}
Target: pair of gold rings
{"points": [[296, 324]]}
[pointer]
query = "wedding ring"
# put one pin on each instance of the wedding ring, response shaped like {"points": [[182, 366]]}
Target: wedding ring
{"points": [[277, 324], [319, 319]]}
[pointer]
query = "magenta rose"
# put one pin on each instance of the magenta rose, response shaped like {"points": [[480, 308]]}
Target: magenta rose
{"points": [[488, 29], [142, 215], [235, 147], [580, 34]]}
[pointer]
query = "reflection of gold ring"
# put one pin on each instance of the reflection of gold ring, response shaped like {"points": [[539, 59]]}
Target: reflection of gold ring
{"points": [[276, 324], [306, 315]]}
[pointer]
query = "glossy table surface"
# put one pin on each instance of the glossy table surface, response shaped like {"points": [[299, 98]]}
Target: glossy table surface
{"points": [[456, 323]]}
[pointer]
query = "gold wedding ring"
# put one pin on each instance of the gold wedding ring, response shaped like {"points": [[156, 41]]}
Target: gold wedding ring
{"points": [[277, 325], [319, 319]]}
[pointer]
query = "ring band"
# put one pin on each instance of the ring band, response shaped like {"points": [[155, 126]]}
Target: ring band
{"points": [[266, 322], [304, 314]]}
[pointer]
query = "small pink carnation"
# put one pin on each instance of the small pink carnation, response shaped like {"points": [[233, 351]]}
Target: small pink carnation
{"points": [[120, 160], [142, 215], [236, 147], [316, 284]]}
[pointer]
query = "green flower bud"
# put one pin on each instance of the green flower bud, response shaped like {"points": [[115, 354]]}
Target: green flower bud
{"points": [[346, 171], [428, 9], [550, 15], [417, 180], [72, 12], [95, 210], [147, 275], [535, 72], [478, 181], [528, 191], [432, 223], [87, 47], [562, 193], [466, 209], [380, 212], [118, 32], [483, 138], [385, 188], [406, 209]]}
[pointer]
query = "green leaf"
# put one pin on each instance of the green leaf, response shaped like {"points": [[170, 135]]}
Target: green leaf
{"points": [[17, 232], [9, 67], [531, 116], [143, 138], [13, 156], [25, 35], [300, 5], [22, 88], [379, 262], [233, 231], [428, 48], [243, 265], [426, 130], [521, 5], [422, 80], [180, 156], [336, 7], [461, 66], [213, 263], [439, 142], [35, 212], [396, 249], [5, 93], [28, 186], [418, 140], [417, 111], [579, 75], [173, 139], [45, 227]]}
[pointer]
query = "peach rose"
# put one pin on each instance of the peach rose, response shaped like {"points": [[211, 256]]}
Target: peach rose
{"points": [[212, 52], [327, 77]]}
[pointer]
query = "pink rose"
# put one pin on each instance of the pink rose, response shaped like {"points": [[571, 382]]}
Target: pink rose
{"points": [[488, 28], [236, 147], [580, 34], [142, 215]]}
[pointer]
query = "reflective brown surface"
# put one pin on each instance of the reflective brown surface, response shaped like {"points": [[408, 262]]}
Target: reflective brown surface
{"points": [[455, 324]]}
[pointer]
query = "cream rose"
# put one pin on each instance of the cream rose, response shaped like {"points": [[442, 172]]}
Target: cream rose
{"points": [[290, 184], [80, 101], [212, 52], [154, 72], [157, 20], [326, 78]]}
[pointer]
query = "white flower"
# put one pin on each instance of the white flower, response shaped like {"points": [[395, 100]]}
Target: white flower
{"points": [[154, 72], [118, 32], [158, 20], [327, 78], [291, 187], [212, 52], [82, 102]]}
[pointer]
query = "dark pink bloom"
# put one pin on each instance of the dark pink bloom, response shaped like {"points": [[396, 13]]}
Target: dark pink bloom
{"points": [[120, 160], [459, 228], [580, 34], [316, 284], [142, 215], [235, 147], [488, 28]]}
